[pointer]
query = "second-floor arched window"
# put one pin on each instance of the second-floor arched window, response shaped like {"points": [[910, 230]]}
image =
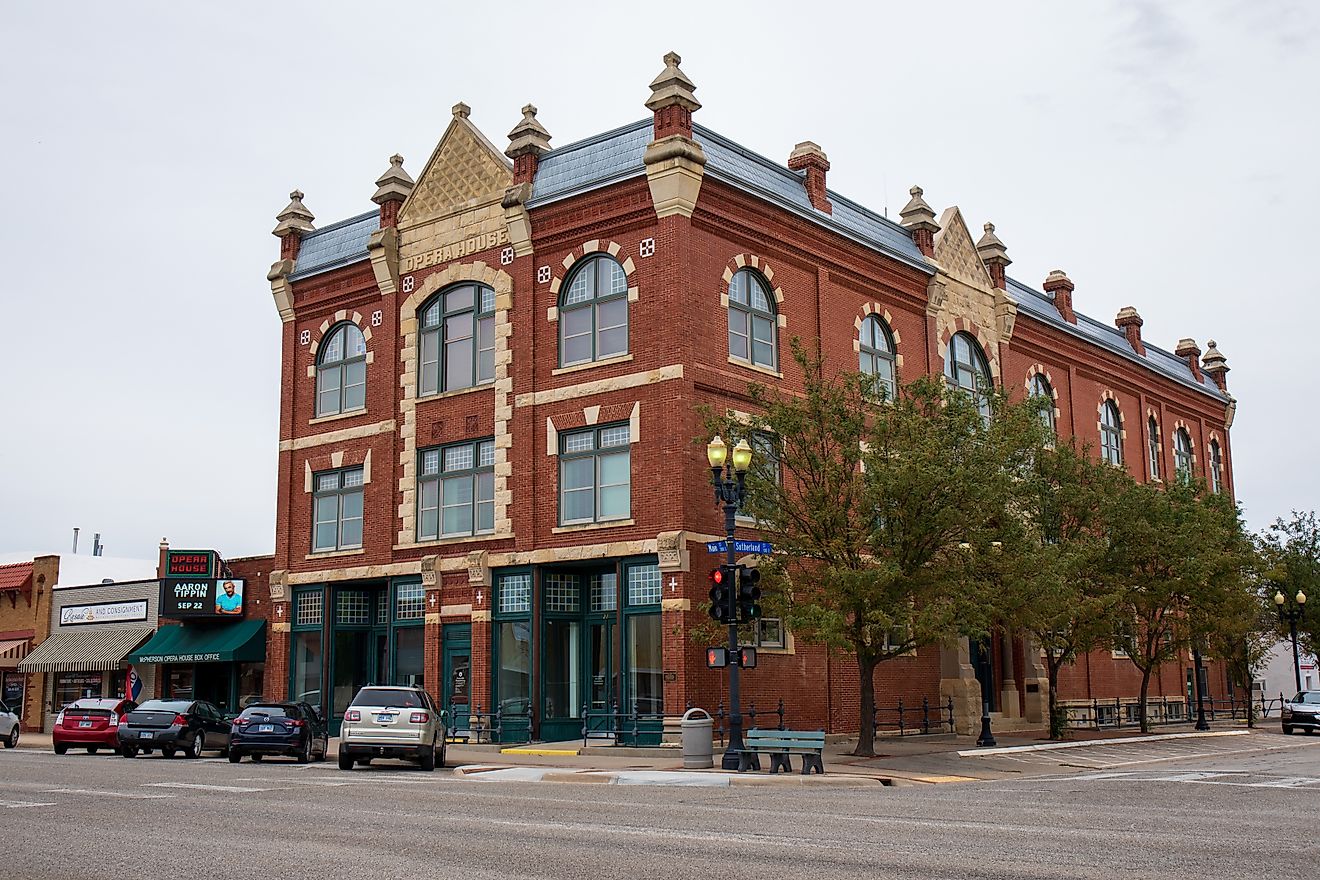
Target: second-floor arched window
{"points": [[965, 368], [341, 371], [1182, 454], [752, 322], [1153, 445], [593, 312], [877, 354], [457, 339], [1111, 433]]}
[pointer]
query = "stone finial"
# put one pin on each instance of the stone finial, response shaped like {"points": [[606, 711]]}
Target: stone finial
{"points": [[919, 218], [994, 255], [672, 88], [461, 110], [1189, 351], [808, 155], [392, 189], [1216, 365], [293, 222], [1060, 287], [527, 143], [1130, 323]]}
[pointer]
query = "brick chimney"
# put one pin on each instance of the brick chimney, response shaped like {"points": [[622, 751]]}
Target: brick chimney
{"points": [[1130, 323], [527, 143], [1189, 351], [1216, 365], [392, 189], [672, 100], [1059, 286], [809, 155], [675, 163], [994, 255], [294, 221], [918, 218]]}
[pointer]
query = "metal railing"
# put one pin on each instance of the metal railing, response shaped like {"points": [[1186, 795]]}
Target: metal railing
{"points": [[622, 727], [501, 726], [1119, 713], [750, 714], [913, 719]]}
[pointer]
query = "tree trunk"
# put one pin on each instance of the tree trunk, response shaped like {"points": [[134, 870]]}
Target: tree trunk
{"points": [[1145, 689], [866, 707]]}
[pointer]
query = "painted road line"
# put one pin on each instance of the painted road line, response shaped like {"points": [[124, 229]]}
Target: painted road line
{"points": [[197, 786], [12, 805], [131, 795], [1094, 743]]}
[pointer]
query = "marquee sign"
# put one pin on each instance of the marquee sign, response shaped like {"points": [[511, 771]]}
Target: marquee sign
{"points": [[191, 563], [215, 598]]}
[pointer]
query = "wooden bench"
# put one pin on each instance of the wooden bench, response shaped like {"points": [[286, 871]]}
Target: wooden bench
{"points": [[779, 744]]}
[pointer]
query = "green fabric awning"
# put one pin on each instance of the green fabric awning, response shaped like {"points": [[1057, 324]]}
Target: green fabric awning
{"points": [[242, 642]]}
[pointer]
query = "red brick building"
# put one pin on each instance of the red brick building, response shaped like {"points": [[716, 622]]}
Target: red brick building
{"points": [[491, 474]]}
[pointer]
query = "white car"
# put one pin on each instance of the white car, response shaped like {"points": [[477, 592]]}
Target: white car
{"points": [[1302, 712], [8, 727], [392, 722]]}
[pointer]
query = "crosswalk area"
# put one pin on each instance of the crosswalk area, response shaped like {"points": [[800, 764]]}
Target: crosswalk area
{"points": [[1204, 777], [1103, 755]]}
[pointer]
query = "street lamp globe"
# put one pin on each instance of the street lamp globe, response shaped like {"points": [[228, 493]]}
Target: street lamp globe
{"points": [[1278, 594], [742, 456], [716, 452], [1301, 598]]}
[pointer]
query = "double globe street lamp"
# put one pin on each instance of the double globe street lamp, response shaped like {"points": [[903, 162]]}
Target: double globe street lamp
{"points": [[728, 474], [1292, 611]]}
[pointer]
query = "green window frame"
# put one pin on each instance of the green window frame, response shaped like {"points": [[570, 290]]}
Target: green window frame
{"points": [[1216, 467], [337, 513], [456, 490], [643, 658], [341, 371], [1153, 440], [1183, 459], [456, 344], [511, 642], [1111, 433], [966, 369], [593, 312], [753, 322], [876, 355], [595, 474], [307, 646], [407, 618], [1040, 387]]}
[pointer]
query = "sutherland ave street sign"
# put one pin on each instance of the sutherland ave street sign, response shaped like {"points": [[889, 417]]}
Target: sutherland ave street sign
{"points": [[763, 548]]}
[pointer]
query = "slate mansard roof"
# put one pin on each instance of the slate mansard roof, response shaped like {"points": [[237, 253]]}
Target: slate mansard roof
{"points": [[615, 156]]}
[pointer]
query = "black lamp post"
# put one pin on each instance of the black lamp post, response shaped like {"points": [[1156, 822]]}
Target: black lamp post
{"points": [[728, 474], [1201, 723], [1292, 611]]}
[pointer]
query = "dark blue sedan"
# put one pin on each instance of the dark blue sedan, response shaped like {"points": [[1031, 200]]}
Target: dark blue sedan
{"points": [[292, 729]]}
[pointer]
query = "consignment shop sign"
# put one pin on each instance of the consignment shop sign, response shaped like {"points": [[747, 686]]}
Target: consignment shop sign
{"points": [[103, 612]]}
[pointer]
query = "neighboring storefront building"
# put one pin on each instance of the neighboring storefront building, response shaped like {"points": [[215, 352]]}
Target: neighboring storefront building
{"points": [[490, 474], [93, 629], [25, 589]]}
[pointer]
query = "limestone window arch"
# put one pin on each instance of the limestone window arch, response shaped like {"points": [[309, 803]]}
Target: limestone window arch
{"points": [[593, 311], [456, 339], [967, 369], [341, 370]]}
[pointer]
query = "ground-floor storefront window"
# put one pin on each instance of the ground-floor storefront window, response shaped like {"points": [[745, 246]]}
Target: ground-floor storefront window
{"points": [[13, 686], [70, 686]]}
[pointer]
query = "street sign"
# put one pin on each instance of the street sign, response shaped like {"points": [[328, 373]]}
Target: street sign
{"points": [[763, 548]]}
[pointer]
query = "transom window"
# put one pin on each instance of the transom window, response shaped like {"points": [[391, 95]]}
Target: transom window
{"points": [[645, 585], [337, 503], [515, 592], [409, 602], [1111, 433], [1040, 388], [1216, 467], [457, 347], [593, 312], [877, 354], [752, 320], [308, 609], [595, 468], [456, 490], [1153, 440], [1182, 454], [341, 371], [965, 369]]}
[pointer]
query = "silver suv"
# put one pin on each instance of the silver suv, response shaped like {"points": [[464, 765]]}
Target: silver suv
{"points": [[392, 722], [1302, 711]]}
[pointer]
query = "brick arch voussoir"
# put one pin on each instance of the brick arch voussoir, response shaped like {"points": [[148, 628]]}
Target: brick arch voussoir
{"points": [[766, 271]]}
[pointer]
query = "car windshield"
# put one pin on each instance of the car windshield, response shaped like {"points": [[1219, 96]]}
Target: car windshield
{"points": [[1311, 698], [399, 699], [270, 712], [165, 706]]}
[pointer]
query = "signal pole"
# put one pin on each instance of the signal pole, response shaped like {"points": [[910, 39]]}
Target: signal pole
{"points": [[729, 479]]}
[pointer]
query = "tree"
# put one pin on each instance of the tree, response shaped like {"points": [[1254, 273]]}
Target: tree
{"points": [[1052, 553], [1176, 559], [874, 507], [1290, 551]]}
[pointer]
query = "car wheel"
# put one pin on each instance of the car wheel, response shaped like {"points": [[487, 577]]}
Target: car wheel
{"points": [[60, 748], [195, 748], [234, 757], [92, 750], [128, 752], [345, 761], [1287, 730], [305, 753], [11, 741], [444, 747], [427, 762]]}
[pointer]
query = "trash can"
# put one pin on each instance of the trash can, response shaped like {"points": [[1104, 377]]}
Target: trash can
{"points": [[698, 740]]}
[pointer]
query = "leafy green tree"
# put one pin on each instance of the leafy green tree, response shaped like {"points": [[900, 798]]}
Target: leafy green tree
{"points": [[878, 509], [1290, 551]]}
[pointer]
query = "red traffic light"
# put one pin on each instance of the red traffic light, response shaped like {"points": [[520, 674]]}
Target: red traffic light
{"points": [[717, 575], [717, 658]]}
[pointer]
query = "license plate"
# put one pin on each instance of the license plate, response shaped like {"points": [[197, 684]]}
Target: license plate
{"points": [[385, 719], [265, 728], [146, 734], [84, 724]]}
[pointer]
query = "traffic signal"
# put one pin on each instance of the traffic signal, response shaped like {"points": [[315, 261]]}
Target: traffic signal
{"points": [[749, 594], [717, 658], [721, 592]]}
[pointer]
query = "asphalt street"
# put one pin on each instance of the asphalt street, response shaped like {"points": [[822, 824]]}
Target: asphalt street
{"points": [[1245, 806]]}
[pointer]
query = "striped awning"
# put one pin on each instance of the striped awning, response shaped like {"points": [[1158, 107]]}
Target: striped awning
{"points": [[99, 649]]}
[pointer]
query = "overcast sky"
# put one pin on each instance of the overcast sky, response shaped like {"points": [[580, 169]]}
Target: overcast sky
{"points": [[1163, 154]]}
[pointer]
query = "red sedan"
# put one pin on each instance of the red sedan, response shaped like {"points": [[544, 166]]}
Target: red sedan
{"points": [[90, 723]]}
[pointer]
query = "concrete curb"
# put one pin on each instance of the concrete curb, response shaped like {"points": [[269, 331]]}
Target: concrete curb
{"points": [[1044, 747], [692, 778]]}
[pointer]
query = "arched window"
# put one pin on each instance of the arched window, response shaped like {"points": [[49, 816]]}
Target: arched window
{"points": [[965, 369], [593, 312], [1111, 433], [1182, 454], [1216, 467], [341, 371], [457, 347], [1153, 441], [877, 354], [752, 322], [1040, 387]]}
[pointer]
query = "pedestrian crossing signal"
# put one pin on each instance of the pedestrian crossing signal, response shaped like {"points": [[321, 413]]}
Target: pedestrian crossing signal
{"points": [[717, 658]]}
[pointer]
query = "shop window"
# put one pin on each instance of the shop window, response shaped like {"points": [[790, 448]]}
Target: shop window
{"points": [[337, 505], [409, 642], [456, 490], [180, 682], [515, 594], [341, 371], [513, 643], [306, 649], [561, 593], [1111, 433], [593, 312], [251, 683], [409, 602], [353, 607], [1044, 395], [753, 325], [966, 369], [1153, 439], [595, 475], [70, 686], [645, 663], [457, 344], [876, 357], [1182, 455]]}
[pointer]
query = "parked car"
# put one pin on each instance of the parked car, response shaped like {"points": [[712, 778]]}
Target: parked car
{"points": [[392, 722], [270, 728], [1302, 711], [189, 726], [90, 723], [8, 727]]}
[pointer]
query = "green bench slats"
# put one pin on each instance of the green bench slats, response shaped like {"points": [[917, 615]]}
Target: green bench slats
{"points": [[780, 744]]}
